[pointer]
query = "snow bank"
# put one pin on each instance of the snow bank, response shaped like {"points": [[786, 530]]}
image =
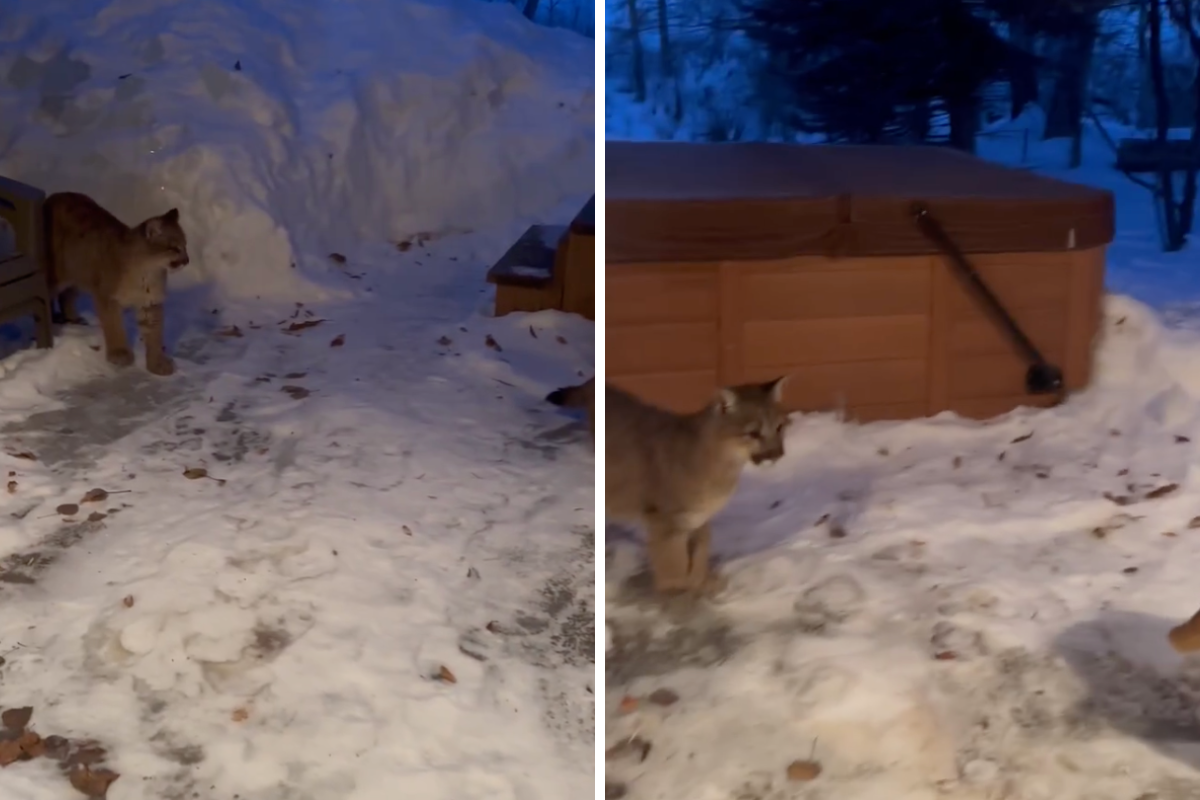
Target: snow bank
{"points": [[284, 130]]}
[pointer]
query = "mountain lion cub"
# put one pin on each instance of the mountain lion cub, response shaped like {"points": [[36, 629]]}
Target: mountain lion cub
{"points": [[672, 473], [90, 250]]}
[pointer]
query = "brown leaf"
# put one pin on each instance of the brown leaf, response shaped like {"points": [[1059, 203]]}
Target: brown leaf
{"points": [[12, 487], [836, 531], [532, 332], [663, 697], [1024, 438], [92, 783], [494, 627], [128, 601], [1162, 491], [407, 530], [628, 705], [945, 655], [94, 496], [15, 719], [957, 462], [337, 258], [1181, 439], [25, 454], [56, 747], [295, 375], [295, 392], [560, 339], [195, 473], [803, 770], [31, 745], [445, 675], [492, 343], [68, 509], [445, 341], [96, 516], [338, 340], [231, 332], [240, 715], [303, 325], [10, 752], [629, 746], [1117, 499], [85, 754]]}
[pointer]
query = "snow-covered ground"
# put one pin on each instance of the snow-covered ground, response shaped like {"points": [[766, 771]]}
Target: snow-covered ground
{"points": [[346, 552], [949, 609]]}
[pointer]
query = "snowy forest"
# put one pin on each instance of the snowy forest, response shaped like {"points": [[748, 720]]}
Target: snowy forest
{"points": [[955, 72]]}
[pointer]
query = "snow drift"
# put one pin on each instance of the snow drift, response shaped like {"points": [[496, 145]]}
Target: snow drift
{"points": [[281, 130]]}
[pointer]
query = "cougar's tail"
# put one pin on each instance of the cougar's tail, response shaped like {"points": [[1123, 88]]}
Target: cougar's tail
{"points": [[572, 396]]}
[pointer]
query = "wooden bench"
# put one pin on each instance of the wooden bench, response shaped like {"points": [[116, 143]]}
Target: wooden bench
{"points": [[550, 267], [24, 284]]}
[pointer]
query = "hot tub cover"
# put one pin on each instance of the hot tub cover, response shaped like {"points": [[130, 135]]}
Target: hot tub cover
{"points": [[672, 201]]}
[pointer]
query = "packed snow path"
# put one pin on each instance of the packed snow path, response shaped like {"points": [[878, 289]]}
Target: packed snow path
{"points": [[384, 583]]}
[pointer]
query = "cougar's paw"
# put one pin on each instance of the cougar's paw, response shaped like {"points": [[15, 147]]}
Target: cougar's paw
{"points": [[713, 584], [121, 357], [161, 364]]}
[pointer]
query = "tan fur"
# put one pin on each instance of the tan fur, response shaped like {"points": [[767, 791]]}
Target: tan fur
{"points": [[1185, 638], [92, 251], [672, 473]]}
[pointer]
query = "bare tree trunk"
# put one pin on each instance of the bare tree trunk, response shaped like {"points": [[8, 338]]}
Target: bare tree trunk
{"points": [[1183, 15], [1068, 102], [531, 7], [639, 56], [1173, 235], [668, 58], [1023, 82], [964, 122]]}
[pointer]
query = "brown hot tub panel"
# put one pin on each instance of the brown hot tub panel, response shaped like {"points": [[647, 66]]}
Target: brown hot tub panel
{"points": [[732, 263]]}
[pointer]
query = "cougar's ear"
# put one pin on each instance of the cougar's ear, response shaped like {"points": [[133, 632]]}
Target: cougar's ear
{"points": [[725, 401], [775, 387], [154, 228], [171, 217]]}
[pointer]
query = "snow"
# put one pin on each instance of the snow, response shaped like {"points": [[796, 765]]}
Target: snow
{"points": [[944, 608], [384, 581], [285, 132]]}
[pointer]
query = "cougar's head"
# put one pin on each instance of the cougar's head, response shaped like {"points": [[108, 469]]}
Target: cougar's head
{"points": [[167, 241], [752, 414]]}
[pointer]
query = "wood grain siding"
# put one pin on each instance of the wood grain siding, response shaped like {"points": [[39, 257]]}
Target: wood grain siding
{"points": [[984, 365], [793, 343], [665, 347], [852, 333], [660, 293], [828, 387], [662, 332], [875, 338], [819, 288]]}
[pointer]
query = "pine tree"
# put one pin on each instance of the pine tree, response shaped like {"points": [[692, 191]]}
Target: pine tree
{"points": [[870, 71]]}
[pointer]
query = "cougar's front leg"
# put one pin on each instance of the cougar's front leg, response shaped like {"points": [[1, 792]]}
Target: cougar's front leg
{"points": [[150, 323], [701, 576], [668, 551], [112, 326]]}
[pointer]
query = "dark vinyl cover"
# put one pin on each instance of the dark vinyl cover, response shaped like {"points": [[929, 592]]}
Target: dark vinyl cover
{"points": [[673, 201]]}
